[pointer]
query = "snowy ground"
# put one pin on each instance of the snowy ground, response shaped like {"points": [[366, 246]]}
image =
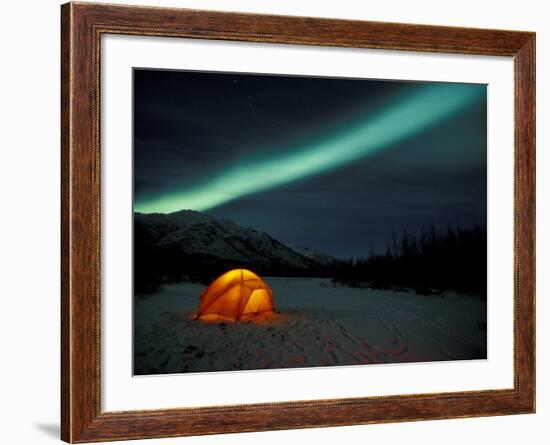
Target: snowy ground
{"points": [[318, 324]]}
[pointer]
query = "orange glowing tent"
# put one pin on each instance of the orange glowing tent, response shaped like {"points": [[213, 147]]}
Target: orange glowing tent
{"points": [[236, 295]]}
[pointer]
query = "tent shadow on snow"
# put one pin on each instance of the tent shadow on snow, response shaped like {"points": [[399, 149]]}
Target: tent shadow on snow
{"points": [[237, 295]]}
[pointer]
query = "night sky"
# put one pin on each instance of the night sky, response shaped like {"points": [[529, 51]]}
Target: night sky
{"points": [[330, 164]]}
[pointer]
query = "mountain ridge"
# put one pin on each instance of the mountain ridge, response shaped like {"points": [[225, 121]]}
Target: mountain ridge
{"points": [[192, 243]]}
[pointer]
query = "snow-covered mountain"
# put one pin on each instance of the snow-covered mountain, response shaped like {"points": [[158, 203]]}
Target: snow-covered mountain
{"points": [[314, 254], [198, 235]]}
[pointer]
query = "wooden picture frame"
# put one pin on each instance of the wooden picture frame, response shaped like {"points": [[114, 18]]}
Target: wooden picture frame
{"points": [[83, 24]]}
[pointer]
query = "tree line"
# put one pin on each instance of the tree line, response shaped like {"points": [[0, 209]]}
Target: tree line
{"points": [[432, 262], [429, 263]]}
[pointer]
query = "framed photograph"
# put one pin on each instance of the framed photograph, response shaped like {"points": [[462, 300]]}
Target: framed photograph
{"points": [[274, 222]]}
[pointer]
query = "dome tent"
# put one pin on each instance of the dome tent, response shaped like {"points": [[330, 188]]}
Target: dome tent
{"points": [[236, 295]]}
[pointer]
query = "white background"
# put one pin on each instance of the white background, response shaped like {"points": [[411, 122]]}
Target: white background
{"points": [[29, 223], [121, 392]]}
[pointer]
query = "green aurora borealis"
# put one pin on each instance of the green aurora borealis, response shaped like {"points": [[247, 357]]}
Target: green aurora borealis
{"points": [[407, 116], [333, 164]]}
